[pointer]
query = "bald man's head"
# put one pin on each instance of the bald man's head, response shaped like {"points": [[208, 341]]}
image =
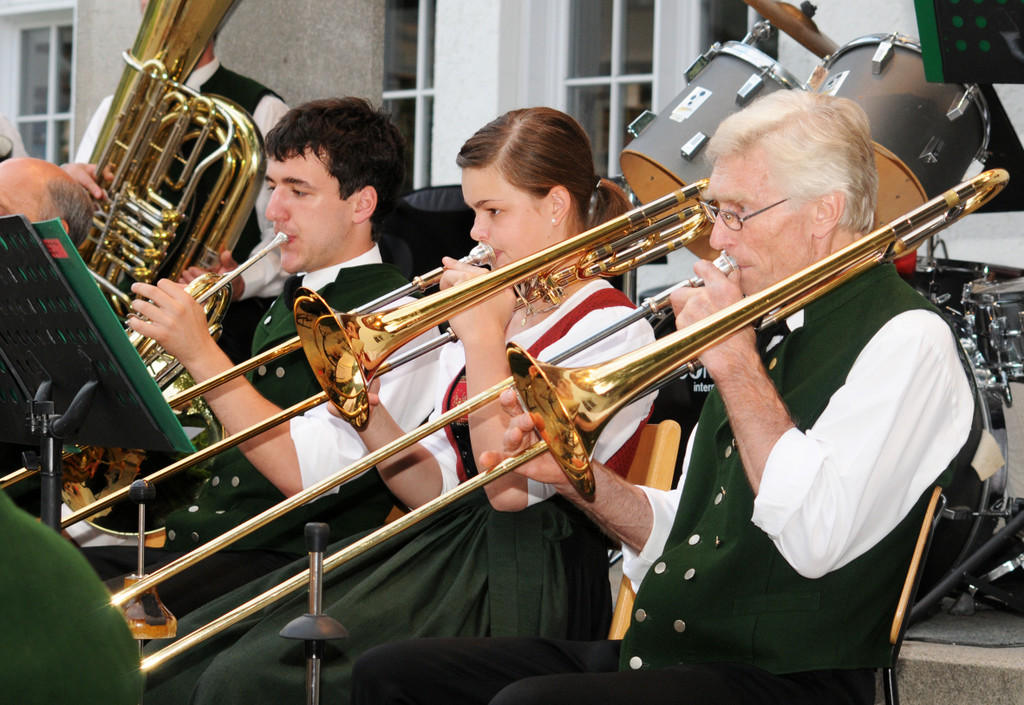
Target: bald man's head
{"points": [[40, 190]]}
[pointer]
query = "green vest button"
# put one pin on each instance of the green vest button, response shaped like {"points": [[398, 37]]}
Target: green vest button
{"points": [[234, 481], [728, 451], [688, 575], [171, 535], [695, 539], [640, 615], [635, 662], [659, 567], [279, 372], [195, 537], [215, 480], [679, 625]]}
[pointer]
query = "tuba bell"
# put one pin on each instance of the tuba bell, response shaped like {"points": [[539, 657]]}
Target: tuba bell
{"points": [[161, 140]]}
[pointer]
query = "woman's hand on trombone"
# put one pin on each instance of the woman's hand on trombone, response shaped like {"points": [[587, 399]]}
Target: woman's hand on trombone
{"points": [[485, 320]]}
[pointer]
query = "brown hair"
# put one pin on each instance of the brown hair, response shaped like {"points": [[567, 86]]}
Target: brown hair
{"points": [[536, 149], [358, 144]]}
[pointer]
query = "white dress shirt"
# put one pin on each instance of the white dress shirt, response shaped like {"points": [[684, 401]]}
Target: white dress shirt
{"points": [[325, 443], [830, 494]]}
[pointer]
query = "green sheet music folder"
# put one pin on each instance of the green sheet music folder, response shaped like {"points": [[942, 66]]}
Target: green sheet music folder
{"points": [[56, 324]]}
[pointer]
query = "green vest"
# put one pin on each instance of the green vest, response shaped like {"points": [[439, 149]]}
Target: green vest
{"points": [[237, 491], [247, 93], [721, 591], [62, 641]]}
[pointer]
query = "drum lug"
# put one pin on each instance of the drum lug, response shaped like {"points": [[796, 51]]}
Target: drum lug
{"points": [[750, 89], [641, 122], [961, 104], [689, 150], [930, 153], [883, 55], [701, 62]]}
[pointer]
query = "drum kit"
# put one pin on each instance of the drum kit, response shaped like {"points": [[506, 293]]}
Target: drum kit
{"points": [[928, 137]]}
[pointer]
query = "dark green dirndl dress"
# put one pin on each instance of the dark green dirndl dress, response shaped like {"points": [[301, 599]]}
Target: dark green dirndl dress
{"points": [[467, 571]]}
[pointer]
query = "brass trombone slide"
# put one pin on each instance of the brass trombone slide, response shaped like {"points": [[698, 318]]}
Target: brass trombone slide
{"points": [[574, 405], [321, 333]]}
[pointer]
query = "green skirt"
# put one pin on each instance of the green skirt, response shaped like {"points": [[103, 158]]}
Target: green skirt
{"points": [[467, 571]]}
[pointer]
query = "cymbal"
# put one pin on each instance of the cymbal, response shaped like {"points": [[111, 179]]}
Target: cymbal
{"points": [[791, 20]]}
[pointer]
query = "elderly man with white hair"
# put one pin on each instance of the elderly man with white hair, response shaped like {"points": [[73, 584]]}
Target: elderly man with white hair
{"points": [[771, 574]]}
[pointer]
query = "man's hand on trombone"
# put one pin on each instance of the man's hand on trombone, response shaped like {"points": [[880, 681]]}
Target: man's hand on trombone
{"points": [[618, 506]]}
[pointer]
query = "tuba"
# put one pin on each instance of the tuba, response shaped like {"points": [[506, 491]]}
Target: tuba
{"points": [[165, 144]]}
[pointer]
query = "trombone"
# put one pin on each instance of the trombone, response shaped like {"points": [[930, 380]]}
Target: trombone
{"points": [[574, 405]]}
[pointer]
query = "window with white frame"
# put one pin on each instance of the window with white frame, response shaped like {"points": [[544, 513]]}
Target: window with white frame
{"points": [[36, 71], [409, 80]]}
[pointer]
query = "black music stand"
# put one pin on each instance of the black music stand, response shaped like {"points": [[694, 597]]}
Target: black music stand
{"points": [[67, 369]]}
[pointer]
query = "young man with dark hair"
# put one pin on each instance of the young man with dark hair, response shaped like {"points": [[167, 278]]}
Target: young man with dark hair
{"points": [[335, 169]]}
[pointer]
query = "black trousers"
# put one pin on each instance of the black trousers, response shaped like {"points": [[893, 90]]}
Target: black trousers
{"points": [[217, 575], [537, 671]]}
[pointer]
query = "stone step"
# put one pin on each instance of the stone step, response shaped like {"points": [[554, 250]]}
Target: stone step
{"points": [[974, 659], [948, 674]]}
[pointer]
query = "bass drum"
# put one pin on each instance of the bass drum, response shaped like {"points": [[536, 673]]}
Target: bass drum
{"points": [[926, 134], [669, 153]]}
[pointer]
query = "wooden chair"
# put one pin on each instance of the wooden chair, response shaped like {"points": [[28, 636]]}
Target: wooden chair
{"points": [[899, 622], [653, 465]]}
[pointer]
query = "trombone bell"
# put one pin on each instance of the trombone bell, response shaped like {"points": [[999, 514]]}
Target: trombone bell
{"points": [[568, 416], [336, 363]]}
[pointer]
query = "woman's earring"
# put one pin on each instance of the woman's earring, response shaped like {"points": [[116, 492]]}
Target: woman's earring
{"points": [[554, 220]]}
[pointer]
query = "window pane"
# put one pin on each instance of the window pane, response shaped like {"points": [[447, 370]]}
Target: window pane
{"points": [[589, 105], [62, 150], [428, 70], [427, 136], [727, 21], [590, 38], [638, 37], [33, 134], [64, 45], [35, 62], [400, 45], [403, 114]]}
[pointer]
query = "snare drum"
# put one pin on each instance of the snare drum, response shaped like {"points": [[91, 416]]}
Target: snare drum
{"points": [[996, 311], [668, 154], [926, 134], [945, 281]]}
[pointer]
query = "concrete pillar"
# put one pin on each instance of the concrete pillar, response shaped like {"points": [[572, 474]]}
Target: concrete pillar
{"points": [[303, 49]]}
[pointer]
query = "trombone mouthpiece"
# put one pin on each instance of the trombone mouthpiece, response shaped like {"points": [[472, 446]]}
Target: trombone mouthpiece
{"points": [[723, 262], [480, 256]]}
